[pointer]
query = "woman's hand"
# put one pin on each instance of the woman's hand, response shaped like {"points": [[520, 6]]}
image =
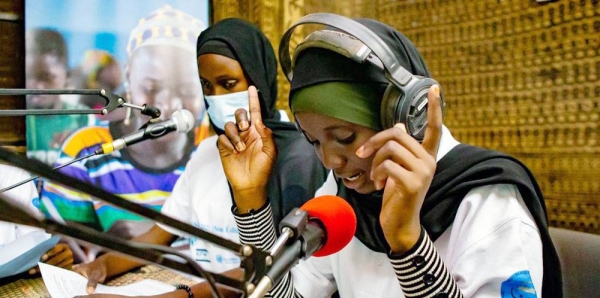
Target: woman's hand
{"points": [[95, 272], [59, 256], [404, 169], [248, 153]]}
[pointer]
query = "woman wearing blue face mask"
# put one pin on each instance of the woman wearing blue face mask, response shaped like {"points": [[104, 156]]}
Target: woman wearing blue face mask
{"points": [[234, 66], [232, 55]]}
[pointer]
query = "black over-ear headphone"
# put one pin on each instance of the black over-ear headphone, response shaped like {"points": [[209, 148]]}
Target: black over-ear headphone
{"points": [[405, 98]]}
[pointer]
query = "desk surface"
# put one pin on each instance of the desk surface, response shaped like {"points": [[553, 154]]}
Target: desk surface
{"points": [[35, 288]]}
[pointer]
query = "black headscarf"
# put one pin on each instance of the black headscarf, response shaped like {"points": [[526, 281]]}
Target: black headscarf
{"points": [[316, 65], [297, 173], [462, 169], [255, 54]]}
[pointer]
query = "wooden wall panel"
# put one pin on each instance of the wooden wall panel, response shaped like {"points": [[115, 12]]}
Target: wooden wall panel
{"points": [[12, 129], [518, 76]]}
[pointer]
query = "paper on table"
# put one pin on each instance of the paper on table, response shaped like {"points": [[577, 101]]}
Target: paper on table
{"points": [[63, 283], [25, 252]]}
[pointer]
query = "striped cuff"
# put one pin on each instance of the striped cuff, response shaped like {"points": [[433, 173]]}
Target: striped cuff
{"points": [[256, 227], [283, 289], [422, 273]]}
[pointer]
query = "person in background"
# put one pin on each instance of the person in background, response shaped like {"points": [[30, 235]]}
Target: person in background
{"points": [[232, 55], [435, 219], [160, 72], [46, 67], [26, 197], [99, 69]]}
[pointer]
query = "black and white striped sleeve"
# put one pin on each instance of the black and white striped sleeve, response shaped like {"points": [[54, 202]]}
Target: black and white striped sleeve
{"points": [[422, 273], [257, 228]]}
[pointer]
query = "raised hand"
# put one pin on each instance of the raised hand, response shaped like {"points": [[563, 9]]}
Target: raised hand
{"points": [[248, 153], [405, 169]]}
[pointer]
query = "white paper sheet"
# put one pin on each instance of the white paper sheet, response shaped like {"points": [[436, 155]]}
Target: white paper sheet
{"points": [[63, 283]]}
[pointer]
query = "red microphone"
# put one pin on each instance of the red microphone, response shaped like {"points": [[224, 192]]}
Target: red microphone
{"points": [[322, 226], [336, 218]]}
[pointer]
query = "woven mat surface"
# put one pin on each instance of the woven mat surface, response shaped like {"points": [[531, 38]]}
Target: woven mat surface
{"points": [[35, 288]]}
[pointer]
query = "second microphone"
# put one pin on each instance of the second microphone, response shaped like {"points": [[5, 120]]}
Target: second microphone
{"points": [[181, 121]]}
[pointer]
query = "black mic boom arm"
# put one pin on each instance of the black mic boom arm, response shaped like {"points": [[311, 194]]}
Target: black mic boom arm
{"points": [[254, 260], [113, 102], [144, 252]]}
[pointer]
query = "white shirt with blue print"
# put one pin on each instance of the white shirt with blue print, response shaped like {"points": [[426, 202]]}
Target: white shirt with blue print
{"points": [[492, 249], [24, 196], [202, 198]]}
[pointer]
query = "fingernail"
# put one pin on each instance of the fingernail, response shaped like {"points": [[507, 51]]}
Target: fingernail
{"points": [[44, 257], [360, 151], [243, 125], [363, 152], [32, 271], [240, 146], [402, 127], [90, 290], [436, 89]]}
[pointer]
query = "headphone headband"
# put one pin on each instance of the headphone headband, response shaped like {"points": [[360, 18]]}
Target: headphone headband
{"points": [[405, 98], [392, 69]]}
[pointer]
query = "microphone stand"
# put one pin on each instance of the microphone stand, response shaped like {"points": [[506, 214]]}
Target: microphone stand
{"points": [[254, 261], [298, 240], [113, 102], [72, 161], [143, 251]]}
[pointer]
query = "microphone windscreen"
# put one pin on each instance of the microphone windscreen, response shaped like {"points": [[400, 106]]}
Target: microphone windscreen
{"points": [[184, 120], [338, 219]]}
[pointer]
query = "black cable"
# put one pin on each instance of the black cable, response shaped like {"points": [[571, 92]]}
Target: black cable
{"points": [[253, 261], [56, 168]]}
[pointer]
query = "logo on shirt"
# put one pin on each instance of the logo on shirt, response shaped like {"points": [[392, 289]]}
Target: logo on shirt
{"points": [[225, 260], [202, 255], [518, 285]]}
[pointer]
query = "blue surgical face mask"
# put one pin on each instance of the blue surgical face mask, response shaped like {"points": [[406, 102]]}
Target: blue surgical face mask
{"points": [[221, 108]]}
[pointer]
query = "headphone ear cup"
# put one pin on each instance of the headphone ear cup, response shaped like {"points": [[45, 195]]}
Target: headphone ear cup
{"points": [[391, 101], [407, 106]]}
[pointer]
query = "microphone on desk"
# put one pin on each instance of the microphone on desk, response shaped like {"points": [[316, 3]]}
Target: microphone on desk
{"points": [[322, 226], [181, 121]]}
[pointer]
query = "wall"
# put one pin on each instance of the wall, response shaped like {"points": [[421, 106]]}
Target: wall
{"points": [[12, 73], [523, 78], [518, 76]]}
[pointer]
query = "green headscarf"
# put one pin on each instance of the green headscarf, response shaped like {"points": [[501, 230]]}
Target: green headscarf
{"points": [[357, 103]]}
